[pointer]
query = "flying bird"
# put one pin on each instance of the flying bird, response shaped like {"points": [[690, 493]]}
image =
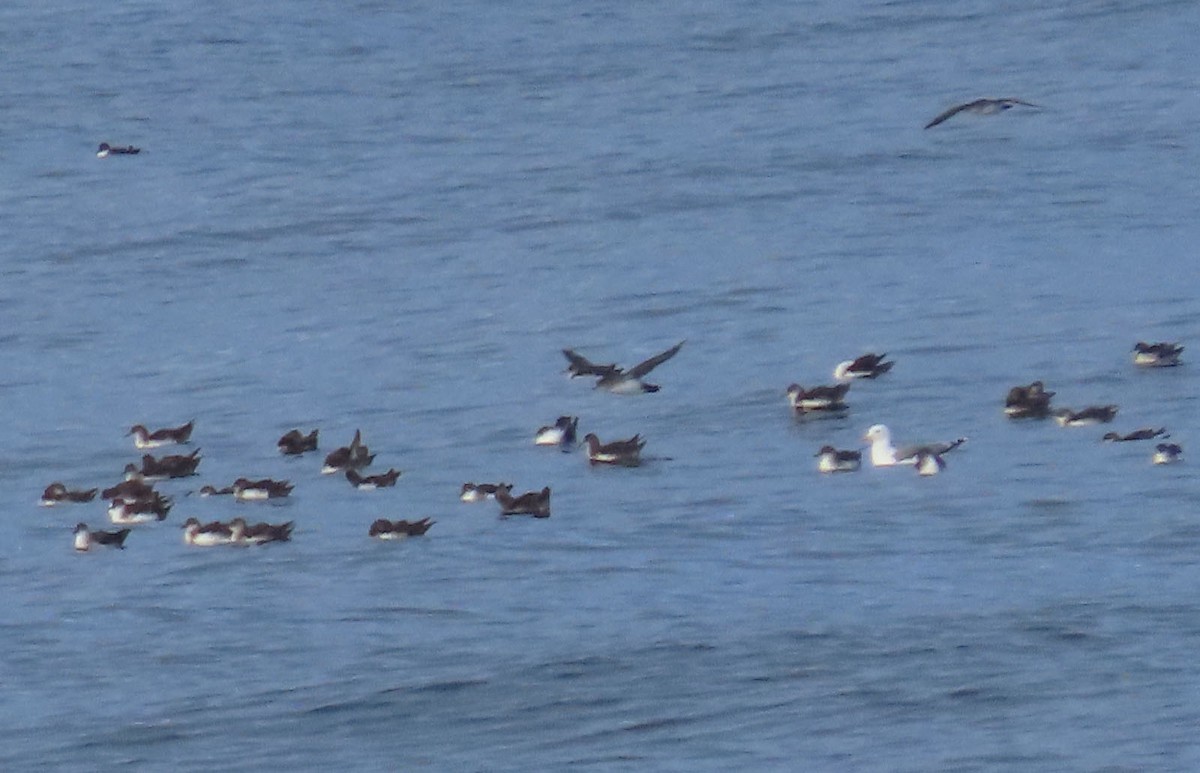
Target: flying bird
{"points": [[980, 107]]}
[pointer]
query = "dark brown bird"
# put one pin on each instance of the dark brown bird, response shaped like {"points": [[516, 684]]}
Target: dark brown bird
{"points": [[175, 466], [477, 492], [295, 443], [382, 528], [352, 457], [57, 493], [144, 438], [535, 503], [623, 453], [369, 482]]}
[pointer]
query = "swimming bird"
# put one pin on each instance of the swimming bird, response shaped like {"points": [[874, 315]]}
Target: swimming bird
{"points": [[624, 453], [134, 487], [831, 459], [213, 491], [352, 457], [206, 535], [561, 434], [295, 443], [1146, 433], [248, 490], [85, 538], [477, 492], [1158, 355], [869, 365], [138, 511], [929, 463], [1093, 414], [105, 150], [1028, 402], [242, 533], [884, 454], [818, 398], [980, 107], [615, 379], [535, 503], [1166, 453], [57, 493], [369, 482], [382, 528], [144, 438], [174, 466]]}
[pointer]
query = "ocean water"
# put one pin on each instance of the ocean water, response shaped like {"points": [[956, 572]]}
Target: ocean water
{"points": [[394, 216]]}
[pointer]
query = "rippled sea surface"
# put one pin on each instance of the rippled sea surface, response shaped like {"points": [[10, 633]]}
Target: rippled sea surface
{"points": [[393, 216]]}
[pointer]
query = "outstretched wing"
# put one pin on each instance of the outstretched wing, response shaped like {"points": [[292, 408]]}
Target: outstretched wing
{"points": [[642, 368], [582, 366], [949, 114]]}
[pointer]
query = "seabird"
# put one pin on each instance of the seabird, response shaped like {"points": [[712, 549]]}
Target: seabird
{"points": [[981, 107], [382, 528], [56, 493], [884, 454], [1093, 414], [929, 463], [831, 459], [371, 482], [614, 379], [624, 453], [1146, 433], [1165, 453], [294, 442], [242, 533], [137, 511], [562, 433], [1159, 355], [105, 150], [206, 535], [535, 503], [818, 398], [477, 492], [1028, 402], [248, 490], [173, 466], [85, 538], [354, 456], [869, 365]]}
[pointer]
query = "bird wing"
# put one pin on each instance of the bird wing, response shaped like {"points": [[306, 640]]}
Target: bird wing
{"points": [[582, 366], [948, 114], [644, 367]]}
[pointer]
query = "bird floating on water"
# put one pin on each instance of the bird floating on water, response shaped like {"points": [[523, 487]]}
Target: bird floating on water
{"points": [[85, 538], [1093, 414], [1158, 355], [869, 365], [105, 150], [1146, 433], [884, 454], [1028, 402], [818, 398], [561, 433], [1166, 453], [830, 459]]}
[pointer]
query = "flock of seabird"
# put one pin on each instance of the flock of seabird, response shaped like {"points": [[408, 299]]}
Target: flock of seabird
{"points": [[135, 501]]}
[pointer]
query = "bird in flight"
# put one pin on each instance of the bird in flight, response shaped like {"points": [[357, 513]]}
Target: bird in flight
{"points": [[615, 379], [981, 107]]}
